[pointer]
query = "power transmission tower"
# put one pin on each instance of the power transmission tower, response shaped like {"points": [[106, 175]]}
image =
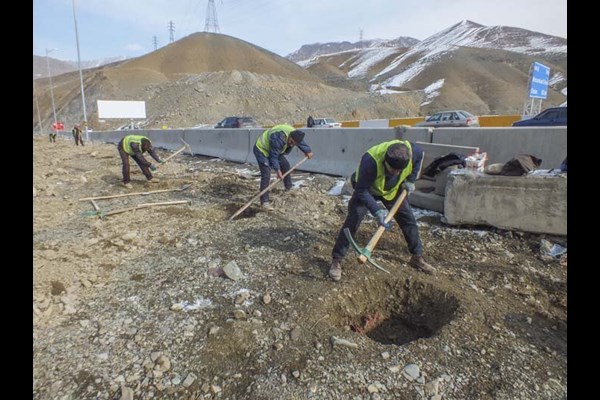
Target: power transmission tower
{"points": [[155, 42], [171, 30], [361, 37], [211, 18]]}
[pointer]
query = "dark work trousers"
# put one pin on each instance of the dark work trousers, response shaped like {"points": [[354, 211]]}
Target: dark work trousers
{"points": [[78, 139], [265, 173], [125, 158], [357, 211]]}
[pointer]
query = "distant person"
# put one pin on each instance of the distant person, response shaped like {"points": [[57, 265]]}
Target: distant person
{"points": [[382, 174], [135, 146], [52, 137], [310, 122], [77, 135], [270, 150]]}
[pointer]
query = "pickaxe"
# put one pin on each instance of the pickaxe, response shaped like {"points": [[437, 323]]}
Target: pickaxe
{"points": [[185, 145], [366, 253], [238, 212]]}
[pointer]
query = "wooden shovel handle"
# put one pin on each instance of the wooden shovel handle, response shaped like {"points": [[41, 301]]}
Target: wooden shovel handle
{"points": [[174, 154], [373, 242], [145, 205], [238, 212]]}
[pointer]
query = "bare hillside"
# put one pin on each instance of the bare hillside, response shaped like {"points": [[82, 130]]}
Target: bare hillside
{"points": [[205, 77]]}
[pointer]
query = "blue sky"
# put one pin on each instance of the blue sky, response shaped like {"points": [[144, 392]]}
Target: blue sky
{"points": [[113, 28]]}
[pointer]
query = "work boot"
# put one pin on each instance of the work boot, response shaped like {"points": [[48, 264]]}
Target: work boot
{"points": [[128, 185], [335, 270], [154, 180], [267, 206], [419, 263]]}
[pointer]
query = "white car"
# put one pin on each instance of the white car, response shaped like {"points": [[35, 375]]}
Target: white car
{"points": [[326, 123]]}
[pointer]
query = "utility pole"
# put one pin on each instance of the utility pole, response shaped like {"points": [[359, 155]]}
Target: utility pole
{"points": [[155, 42], [37, 107], [85, 121], [48, 51], [171, 30], [361, 37], [211, 21]]}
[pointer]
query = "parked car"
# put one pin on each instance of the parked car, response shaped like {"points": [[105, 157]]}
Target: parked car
{"points": [[449, 119], [326, 123], [238, 122], [554, 116]]}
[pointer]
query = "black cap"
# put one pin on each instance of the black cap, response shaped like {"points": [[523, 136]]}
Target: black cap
{"points": [[297, 135], [398, 156]]}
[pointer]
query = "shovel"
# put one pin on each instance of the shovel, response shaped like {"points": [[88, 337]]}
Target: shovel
{"points": [[185, 146], [365, 254], [238, 212]]}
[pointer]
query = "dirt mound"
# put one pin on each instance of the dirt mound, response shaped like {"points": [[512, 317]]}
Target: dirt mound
{"points": [[211, 52], [129, 304]]}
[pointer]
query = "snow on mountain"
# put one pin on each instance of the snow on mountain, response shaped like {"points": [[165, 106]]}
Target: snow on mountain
{"points": [[367, 59], [310, 51], [469, 34], [556, 79], [432, 91]]}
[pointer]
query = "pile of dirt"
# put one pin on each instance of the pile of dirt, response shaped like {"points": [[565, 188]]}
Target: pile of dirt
{"points": [[134, 304]]}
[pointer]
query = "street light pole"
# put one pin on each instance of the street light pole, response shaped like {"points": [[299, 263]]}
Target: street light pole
{"points": [[51, 91], [85, 123], [37, 107]]}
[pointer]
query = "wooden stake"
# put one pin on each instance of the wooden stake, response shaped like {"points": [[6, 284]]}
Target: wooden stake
{"points": [[145, 205], [136, 193]]}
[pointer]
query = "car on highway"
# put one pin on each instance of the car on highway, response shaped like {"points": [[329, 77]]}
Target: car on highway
{"points": [[238, 122], [326, 123], [554, 116], [451, 118]]}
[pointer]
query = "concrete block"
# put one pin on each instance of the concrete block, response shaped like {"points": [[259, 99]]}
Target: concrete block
{"points": [[428, 201], [530, 203]]}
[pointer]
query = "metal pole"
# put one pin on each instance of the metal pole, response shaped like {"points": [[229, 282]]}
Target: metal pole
{"points": [[37, 107], [50, 78], [85, 123]]}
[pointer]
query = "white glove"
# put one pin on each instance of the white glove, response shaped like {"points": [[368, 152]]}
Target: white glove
{"points": [[408, 186]]}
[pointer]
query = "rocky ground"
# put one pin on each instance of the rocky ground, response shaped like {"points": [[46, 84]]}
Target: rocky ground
{"points": [[135, 305]]}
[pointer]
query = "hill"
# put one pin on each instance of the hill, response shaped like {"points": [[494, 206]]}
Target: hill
{"points": [[206, 76]]}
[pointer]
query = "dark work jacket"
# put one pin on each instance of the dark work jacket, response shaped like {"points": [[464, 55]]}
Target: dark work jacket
{"points": [[367, 172], [277, 142], [138, 154]]}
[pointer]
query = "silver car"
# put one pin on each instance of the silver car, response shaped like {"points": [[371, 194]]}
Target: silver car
{"points": [[326, 123], [449, 119]]}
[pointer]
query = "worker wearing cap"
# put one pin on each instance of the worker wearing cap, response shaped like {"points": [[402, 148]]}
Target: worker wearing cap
{"points": [[384, 171], [270, 150]]}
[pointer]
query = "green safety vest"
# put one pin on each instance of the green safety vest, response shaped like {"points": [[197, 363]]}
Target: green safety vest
{"points": [[378, 154], [263, 142], [133, 139]]}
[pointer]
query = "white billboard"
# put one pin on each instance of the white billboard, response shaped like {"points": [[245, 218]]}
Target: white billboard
{"points": [[121, 109]]}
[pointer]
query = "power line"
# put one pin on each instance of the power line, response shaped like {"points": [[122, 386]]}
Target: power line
{"points": [[171, 30]]}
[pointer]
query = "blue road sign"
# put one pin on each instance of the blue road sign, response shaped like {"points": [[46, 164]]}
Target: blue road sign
{"points": [[538, 86]]}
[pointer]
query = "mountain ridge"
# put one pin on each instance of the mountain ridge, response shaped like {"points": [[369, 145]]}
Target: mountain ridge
{"points": [[204, 77]]}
